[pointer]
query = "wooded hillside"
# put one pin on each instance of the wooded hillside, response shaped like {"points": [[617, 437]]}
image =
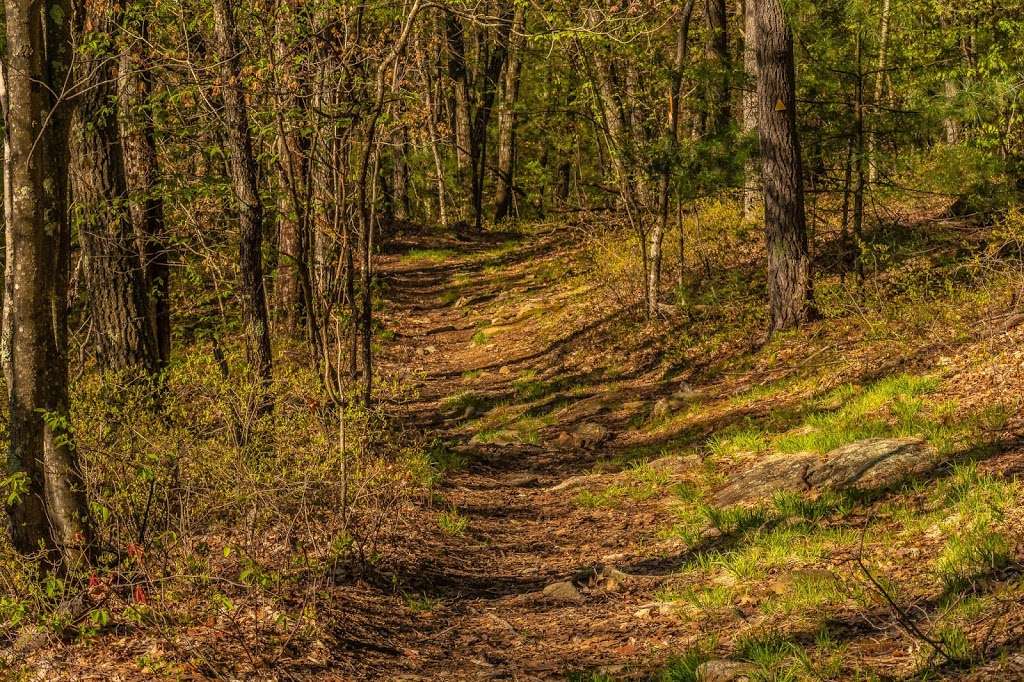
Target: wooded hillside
{"points": [[512, 339]]}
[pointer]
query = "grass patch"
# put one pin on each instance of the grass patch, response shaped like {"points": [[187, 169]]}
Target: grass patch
{"points": [[642, 482], [683, 668], [528, 388], [429, 255], [893, 406], [734, 520], [970, 554], [975, 507], [421, 603], [429, 465], [732, 442], [768, 650], [460, 401], [452, 522]]}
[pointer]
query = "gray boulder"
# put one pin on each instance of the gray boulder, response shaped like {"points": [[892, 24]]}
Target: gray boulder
{"points": [[864, 465]]}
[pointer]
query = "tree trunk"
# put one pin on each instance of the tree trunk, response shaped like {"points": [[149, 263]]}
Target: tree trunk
{"points": [[294, 202], [51, 513], [789, 266], [613, 118], [459, 73], [883, 58], [750, 172], [508, 97], [950, 124], [493, 58], [858, 165], [718, 52], [142, 172], [111, 264], [400, 175], [247, 199], [432, 114], [672, 135]]}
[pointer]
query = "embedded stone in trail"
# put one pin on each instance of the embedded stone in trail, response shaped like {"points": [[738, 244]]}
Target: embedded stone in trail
{"points": [[864, 465], [564, 592]]}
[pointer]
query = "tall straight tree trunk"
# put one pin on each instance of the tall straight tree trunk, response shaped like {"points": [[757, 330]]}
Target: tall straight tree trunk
{"points": [[142, 172], [459, 73], [493, 58], [750, 171], [435, 152], [111, 264], [400, 175], [247, 198], [613, 120], [507, 99], [789, 265], [672, 135], [883, 61], [859, 158], [369, 169], [294, 202], [51, 512], [951, 124], [718, 52]]}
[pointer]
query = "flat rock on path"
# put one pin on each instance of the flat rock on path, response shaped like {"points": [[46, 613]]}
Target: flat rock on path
{"points": [[864, 465]]}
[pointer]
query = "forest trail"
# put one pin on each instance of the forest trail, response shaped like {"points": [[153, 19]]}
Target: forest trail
{"points": [[504, 377]]}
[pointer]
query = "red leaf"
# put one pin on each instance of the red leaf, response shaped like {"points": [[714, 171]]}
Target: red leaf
{"points": [[139, 595]]}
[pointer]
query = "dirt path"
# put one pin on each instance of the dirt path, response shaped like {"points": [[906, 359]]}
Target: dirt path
{"points": [[494, 326]]}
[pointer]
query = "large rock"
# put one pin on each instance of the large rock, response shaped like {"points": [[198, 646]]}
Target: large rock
{"points": [[562, 592], [864, 465]]}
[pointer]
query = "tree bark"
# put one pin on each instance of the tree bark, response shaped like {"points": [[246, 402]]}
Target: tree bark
{"points": [[142, 173], [247, 198], [789, 266], [432, 116], [400, 175], [493, 58], [883, 60], [951, 126], [672, 135], [858, 164], [459, 73], [507, 99], [750, 172], [51, 512], [111, 265], [718, 52], [294, 202]]}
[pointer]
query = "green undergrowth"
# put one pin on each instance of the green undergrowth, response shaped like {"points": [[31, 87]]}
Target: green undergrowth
{"points": [[639, 482], [430, 255], [787, 560], [895, 406]]}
